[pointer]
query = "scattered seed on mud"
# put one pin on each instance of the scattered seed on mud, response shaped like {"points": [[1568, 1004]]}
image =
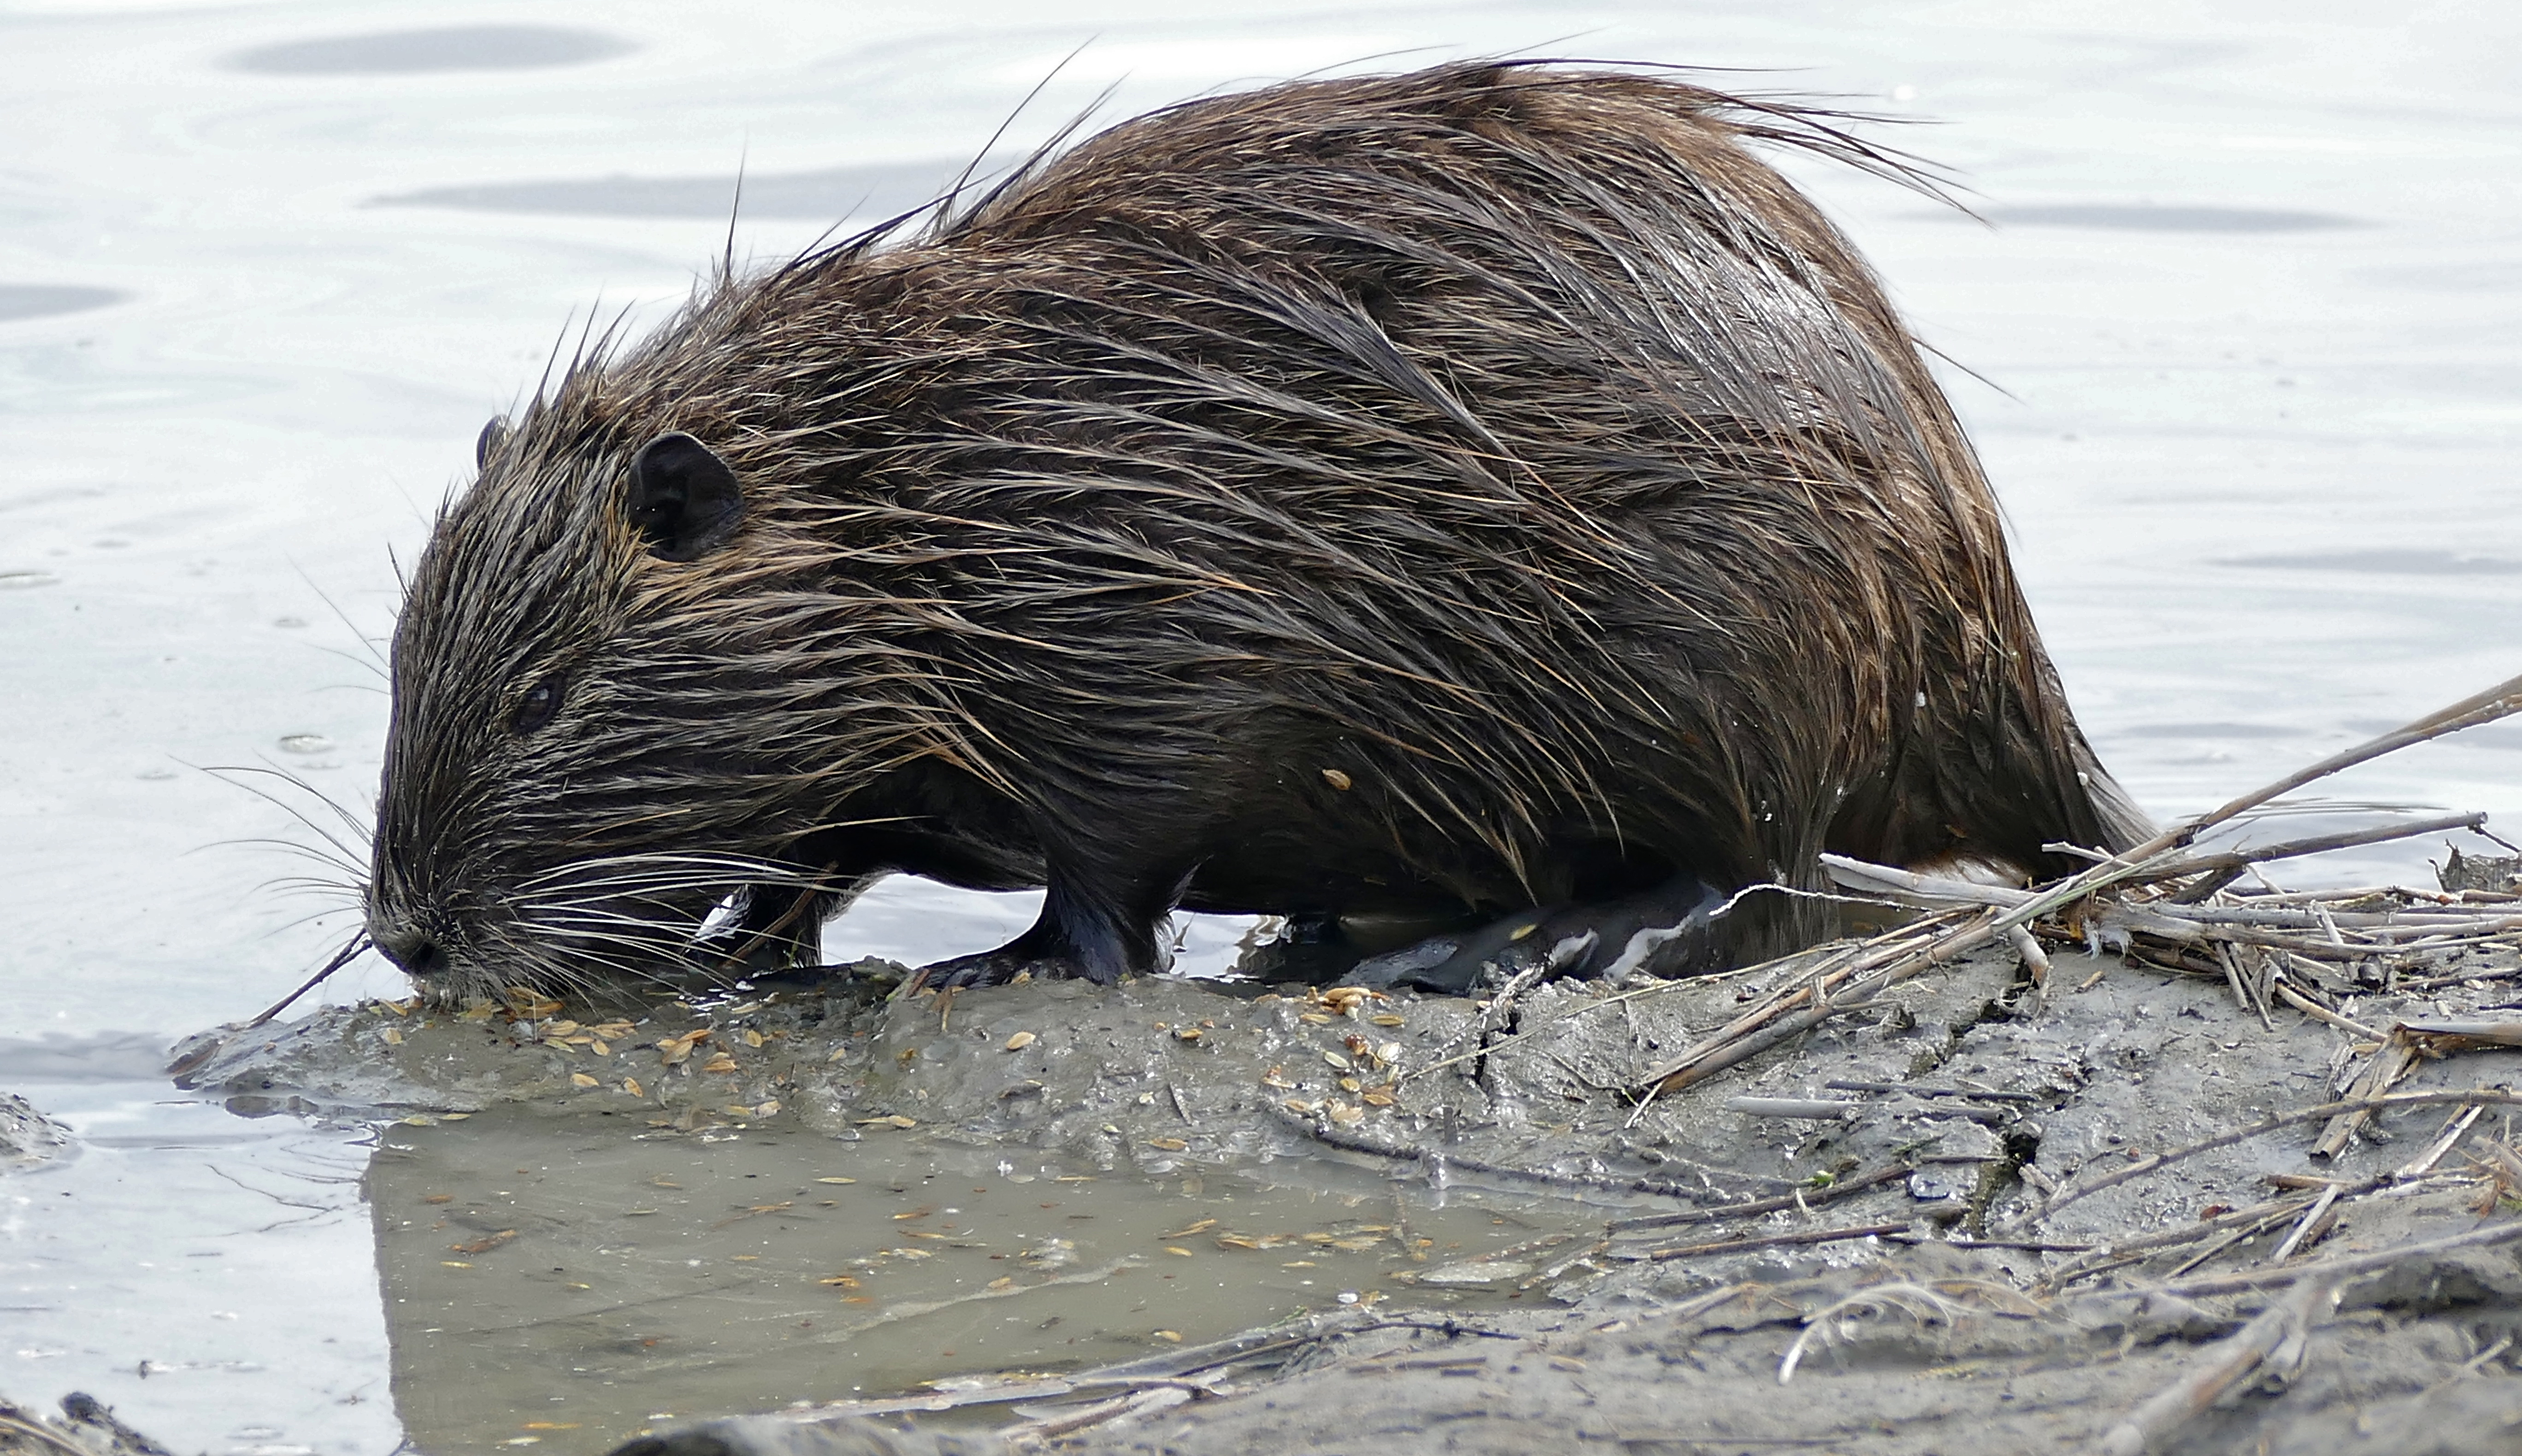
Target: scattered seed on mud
{"points": [[1020, 1042]]}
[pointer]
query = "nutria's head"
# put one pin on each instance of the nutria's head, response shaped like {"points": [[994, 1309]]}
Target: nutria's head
{"points": [[564, 651]]}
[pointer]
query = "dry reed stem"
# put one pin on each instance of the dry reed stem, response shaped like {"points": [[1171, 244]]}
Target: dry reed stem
{"points": [[2275, 1339], [2140, 1167]]}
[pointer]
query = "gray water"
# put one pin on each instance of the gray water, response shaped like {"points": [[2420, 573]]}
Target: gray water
{"points": [[2240, 348]]}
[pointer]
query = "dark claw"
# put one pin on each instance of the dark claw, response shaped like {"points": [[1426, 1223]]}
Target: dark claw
{"points": [[1669, 930]]}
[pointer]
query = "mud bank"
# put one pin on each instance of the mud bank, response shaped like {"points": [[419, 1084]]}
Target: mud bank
{"points": [[1185, 1216]]}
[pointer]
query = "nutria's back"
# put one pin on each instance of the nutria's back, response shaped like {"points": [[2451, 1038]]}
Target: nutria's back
{"points": [[1438, 493]]}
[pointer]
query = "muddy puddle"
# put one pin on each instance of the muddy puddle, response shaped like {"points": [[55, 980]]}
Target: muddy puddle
{"points": [[595, 1218], [568, 1281]]}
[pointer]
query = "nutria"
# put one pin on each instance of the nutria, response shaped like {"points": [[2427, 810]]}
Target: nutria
{"points": [[1431, 496]]}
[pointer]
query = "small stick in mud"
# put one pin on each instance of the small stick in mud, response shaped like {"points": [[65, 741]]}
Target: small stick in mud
{"points": [[2239, 859], [1778, 1241], [2394, 1058], [1802, 1198], [2342, 1269], [1978, 1094], [1349, 1142], [1810, 1108], [1863, 970], [2502, 700], [2240, 1223], [2274, 1339], [2145, 1165], [2314, 1222]]}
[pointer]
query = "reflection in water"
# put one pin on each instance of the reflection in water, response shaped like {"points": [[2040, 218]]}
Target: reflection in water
{"points": [[197, 1271], [825, 195], [25, 300], [571, 1277], [449, 48]]}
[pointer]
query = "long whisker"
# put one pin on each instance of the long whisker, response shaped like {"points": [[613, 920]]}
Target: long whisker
{"points": [[323, 857], [375, 658], [347, 953], [234, 774]]}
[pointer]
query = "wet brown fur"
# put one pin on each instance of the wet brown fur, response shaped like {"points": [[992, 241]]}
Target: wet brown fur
{"points": [[1508, 443]]}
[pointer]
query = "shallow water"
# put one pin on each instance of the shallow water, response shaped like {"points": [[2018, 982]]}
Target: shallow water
{"points": [[580, 1285], [2240, 351]]}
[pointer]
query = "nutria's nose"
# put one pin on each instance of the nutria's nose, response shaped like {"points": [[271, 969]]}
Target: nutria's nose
{"points": [[411, 949]]}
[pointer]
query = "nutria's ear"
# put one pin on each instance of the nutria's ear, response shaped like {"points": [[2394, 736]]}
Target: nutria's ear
{"points": [[683, 499], [487, 444]]}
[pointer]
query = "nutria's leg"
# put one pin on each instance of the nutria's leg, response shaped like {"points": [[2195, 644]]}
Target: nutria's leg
{"points": [[1672, 928], [1101, 927], [781, 930]]}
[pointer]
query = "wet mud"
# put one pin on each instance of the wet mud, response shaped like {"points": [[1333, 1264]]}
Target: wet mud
{"points": [[602, 1223]]}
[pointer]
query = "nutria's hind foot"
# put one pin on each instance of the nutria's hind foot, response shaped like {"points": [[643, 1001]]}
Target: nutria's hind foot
{"points": [[1672, 929]]}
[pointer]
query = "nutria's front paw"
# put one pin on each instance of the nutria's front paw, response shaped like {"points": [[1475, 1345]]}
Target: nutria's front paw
{"points": [[994, 967]]}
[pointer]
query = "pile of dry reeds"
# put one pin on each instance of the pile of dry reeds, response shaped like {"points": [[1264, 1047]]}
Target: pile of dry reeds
{"points": [[2173, 904]]}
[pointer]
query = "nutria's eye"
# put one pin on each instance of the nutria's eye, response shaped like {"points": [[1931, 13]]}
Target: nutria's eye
{"points": [[537, 708]]}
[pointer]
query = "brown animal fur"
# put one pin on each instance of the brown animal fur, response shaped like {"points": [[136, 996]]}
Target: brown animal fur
{"points": [[1508, 443]]}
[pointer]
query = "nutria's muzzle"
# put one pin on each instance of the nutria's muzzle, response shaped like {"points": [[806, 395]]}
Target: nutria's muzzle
{"points": [[412, 949]]}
